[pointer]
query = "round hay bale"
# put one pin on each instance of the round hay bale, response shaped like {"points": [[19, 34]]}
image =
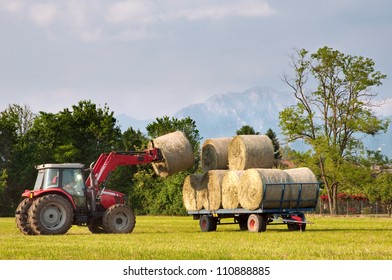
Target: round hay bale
{"points": [[177, 153], [309, 188], [251, 151], [192, 184], [201, 195], [212, 182], [230, 189], [253, 187], [214, 154]]}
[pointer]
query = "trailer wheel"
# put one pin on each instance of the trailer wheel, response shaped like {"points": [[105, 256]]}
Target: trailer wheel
{"points": [[119, 218], [257, 223], [242, 222], [208, 223], [21, 217], [297, 226], [51, 214], [96, 226]]}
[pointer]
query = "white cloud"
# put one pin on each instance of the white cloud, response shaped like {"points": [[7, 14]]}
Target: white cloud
{"points": [[137, 12], [43, 14], [127, 19], [250, 8], [14, 6]]}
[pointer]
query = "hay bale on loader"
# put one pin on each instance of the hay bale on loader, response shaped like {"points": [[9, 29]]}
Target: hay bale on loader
{"points": [[176, 151], [230, 189], [309, 190], [250, 151], [252, 185], [193, 193], [214, 154], [212, 182]]}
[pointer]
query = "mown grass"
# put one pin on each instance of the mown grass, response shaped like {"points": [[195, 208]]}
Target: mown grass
{"points": [[179, 238]]}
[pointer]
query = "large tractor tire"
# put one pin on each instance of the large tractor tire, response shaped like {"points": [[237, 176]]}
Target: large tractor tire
{"points": [[257, 223], [21, 217], [51, 214], [96, 226], [119, 218]]}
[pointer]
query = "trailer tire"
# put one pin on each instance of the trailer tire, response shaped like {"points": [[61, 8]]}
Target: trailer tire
{"points": [[257, 223], [51, 214], [119, 218], [22, 217], [242, 222], [297, 226], [208, 223]]}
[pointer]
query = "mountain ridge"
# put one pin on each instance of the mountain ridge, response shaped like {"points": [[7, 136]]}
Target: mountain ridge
{"points": [[223, 114]]}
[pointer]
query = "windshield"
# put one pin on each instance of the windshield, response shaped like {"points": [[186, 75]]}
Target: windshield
{"points": [[40, 178], [51, 178]]}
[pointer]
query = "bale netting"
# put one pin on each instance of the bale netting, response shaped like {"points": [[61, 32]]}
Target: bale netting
{"points": [[230, 189], [177, 153], [309, 191], [252, 188], [214, 154], [212, 182], [251, 151], [192, 192]]}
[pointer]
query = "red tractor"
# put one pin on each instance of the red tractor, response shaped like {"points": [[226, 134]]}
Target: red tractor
{"points": [[62, 197]]}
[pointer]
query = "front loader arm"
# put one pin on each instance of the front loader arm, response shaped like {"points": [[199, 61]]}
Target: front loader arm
{"points": [[106, 163]]}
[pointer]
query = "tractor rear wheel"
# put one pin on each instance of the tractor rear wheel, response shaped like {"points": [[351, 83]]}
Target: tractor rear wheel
{"points": [[96, 226], [21, 217], [51, 214], [119, 218]]}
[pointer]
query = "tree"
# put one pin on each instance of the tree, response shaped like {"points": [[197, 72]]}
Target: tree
{"points": [[275, 142], [3, 198], [246, 130], [332, 117], [380, 190], [15, 123]]}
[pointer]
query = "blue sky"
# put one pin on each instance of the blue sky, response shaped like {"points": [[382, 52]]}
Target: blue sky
{"points": [[149, 58]]}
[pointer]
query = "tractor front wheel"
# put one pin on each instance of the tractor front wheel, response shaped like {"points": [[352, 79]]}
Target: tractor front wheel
{"points": [[96, 226], [21, 217], [119, 218], [51, 214]]}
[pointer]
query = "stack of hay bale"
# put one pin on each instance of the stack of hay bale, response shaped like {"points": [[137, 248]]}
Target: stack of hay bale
{"points": [[235, 171]]}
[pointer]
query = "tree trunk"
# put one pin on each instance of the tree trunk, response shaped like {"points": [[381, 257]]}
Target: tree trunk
{"points": [[334, 199]]}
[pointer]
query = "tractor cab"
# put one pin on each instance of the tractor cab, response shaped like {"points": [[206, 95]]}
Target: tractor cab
{"points": [[66, 176]]}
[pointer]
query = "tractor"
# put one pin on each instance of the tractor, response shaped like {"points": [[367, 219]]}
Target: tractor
{"points": [[62, 197]]}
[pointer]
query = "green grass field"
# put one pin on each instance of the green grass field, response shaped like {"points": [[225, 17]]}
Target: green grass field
{"points": [[179, 238]]}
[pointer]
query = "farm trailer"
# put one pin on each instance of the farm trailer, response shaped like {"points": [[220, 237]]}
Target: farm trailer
{"points": [[288, 209]]}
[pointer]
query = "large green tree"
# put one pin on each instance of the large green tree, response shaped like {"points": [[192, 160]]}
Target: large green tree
{"points": [[15, 123], [246, 130], [334, 109]]}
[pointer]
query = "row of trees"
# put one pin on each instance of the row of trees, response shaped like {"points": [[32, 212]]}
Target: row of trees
{"points": [[330, 119]]}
